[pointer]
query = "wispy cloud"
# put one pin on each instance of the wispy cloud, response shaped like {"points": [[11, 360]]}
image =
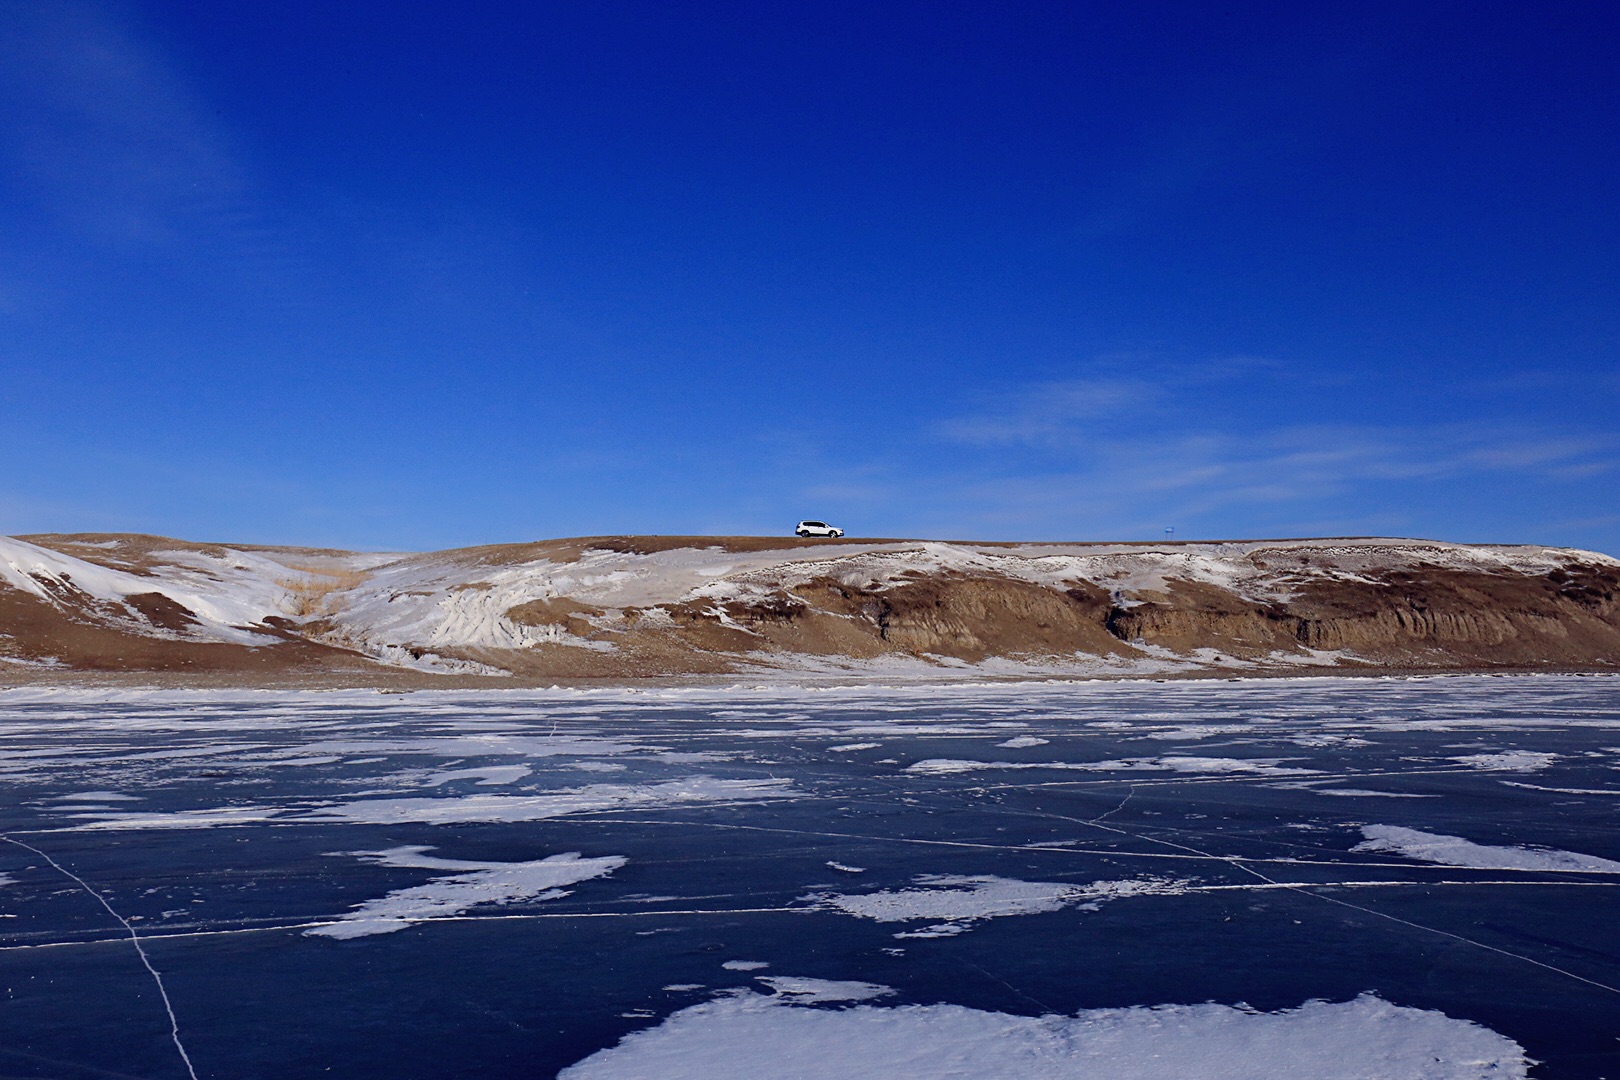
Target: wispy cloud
{"points": [[1124, 390], [109, 138], [1226, 447], [1050, 411], [1292, 473]]}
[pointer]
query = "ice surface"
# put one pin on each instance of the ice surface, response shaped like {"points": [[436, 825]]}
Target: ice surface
{"points": [[717, 861], [475, 883], [746, 1036], [1455, 851]]}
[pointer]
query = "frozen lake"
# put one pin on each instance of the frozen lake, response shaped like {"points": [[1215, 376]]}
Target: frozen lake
{"points": [[1318, 877]]}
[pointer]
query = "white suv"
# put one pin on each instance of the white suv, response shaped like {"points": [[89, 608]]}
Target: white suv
{"points": [[817, 528]]}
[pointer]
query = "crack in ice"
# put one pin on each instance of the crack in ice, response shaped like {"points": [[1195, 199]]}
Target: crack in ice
{"points": [[134, 939]]}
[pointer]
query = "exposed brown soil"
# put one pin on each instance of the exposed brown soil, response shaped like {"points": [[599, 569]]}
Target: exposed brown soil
{"points": [[558, 611], [966, 617], [570, 549], [103, 639], [140, 553], [1410, 617]]}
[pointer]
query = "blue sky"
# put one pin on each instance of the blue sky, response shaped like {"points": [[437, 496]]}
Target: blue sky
{"points": [[415, 275]]}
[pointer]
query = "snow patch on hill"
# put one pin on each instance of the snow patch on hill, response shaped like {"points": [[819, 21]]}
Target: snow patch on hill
{"points": [[222, 605]]}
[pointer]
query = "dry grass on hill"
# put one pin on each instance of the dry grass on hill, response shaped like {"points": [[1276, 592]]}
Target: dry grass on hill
{"points": [[315, 595]]}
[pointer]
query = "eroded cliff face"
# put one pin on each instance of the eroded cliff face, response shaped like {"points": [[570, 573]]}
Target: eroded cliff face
{"points": [[625, 607], [1410, 616]]}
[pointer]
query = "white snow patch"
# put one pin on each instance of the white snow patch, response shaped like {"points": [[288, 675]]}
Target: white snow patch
{"points": [[1193, 732], [418, 659], [847, 747], [1456, 851], [1562, 790], [696, 789], [179, 819], [744, 965], [97, 796], [1508, 760], [467, 808], [1368, 793], [746, 1035], [959, 901], [798, 990], [503, 743], [473, 883], [1021, 741], [489, 776], [1168, 763]]}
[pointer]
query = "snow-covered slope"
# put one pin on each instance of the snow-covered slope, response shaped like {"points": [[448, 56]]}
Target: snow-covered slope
{"points": [[223, 597], [654, 605]]}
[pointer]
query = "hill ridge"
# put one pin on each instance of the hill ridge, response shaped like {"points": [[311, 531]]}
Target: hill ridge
{"points": [[626, 607]]}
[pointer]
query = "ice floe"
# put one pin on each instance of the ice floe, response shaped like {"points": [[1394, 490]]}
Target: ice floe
{"points": [[473, 883], [1456, 851], [745, 1035]]}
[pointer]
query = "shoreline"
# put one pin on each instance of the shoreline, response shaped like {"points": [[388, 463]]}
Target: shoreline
{"points": [[413, 681]]}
